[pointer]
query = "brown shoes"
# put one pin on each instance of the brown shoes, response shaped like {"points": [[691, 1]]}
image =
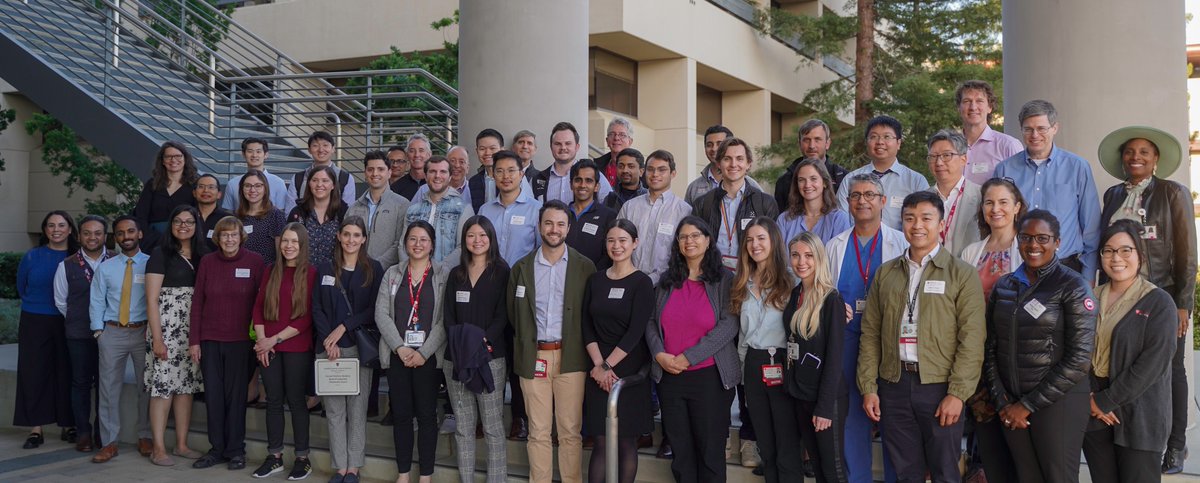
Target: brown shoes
{"points": [[106, 453], [519, 430], [83, 443], [145, 446]]}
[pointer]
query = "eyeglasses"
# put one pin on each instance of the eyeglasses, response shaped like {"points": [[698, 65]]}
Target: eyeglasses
{"points": [[206, 187], [869, 195], [173, 157], [1041, 239], [1124, 252], [887, 138], [253, 186], [691, 237], [230, 235], [1041, 130], [178, 222], [618, 136], [942, 157]]}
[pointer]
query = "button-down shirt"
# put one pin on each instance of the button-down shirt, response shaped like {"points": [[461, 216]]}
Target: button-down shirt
{"points": [[950, 204], [656, 222], [762, 326], [516, 225], [991, 149], [106, 290], [281, 197], [559, 187], [60, 279], [727, 239], [550, 280], [1062, 184], [898, 181], [908, 352]]}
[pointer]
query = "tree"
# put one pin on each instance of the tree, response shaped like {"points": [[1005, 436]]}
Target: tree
{"points": [[7, 116], [84, 168]]}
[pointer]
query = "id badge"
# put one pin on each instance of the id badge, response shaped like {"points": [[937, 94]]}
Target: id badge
{"points": [[908, 333], [414, 338], [793, 351], [539, 368], [1150, 232], [772, 375], [860, 306], [729, 262]]}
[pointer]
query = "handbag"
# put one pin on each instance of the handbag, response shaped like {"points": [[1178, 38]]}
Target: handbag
{"points": [[366, 337]]}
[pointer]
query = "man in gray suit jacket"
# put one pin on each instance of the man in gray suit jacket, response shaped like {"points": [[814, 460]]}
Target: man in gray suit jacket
{"points": [[947, 161], [383, 210]]}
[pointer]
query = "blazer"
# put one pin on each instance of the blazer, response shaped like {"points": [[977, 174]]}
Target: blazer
{"points": [[894, 245], [974, 251], [964, 227], [385, 313], [1171, 256], [824, 383], [331, 302], [522, 313], [717, 344]]}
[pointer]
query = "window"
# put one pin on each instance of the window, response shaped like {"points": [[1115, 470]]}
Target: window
{"points": [[612, 82]]}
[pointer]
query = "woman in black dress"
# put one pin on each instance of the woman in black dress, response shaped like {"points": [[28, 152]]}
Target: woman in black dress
{"points": [[617, 305], [171, 184]]}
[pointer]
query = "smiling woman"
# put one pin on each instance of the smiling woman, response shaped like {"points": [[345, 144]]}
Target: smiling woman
{"points": [[171, 184]]}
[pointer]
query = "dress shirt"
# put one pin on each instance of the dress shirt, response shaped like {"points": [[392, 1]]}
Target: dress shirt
{"points": [[908, 352], [281, 198], [516, 225], [550, 280], [106, 290], [830, 224], [60, 279], [989, 151], [762, 326], [727, 240], [1062, 184], [559, 187], [898, 181], [656, 221]]}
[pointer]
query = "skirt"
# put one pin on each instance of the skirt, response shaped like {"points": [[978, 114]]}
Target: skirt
{"points": [[43, 372], [178, 374]]}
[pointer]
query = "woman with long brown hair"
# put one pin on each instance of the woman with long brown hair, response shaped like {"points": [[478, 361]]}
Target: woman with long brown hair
{"points": [[812, 204], [172, 182], [320, 210]]}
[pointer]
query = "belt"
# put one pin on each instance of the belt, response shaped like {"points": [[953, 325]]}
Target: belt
{"points": [[910, 366], [549, 345], [131, 325]]}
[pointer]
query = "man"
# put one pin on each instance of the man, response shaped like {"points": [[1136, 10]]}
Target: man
{"points": [[525, 145], [206, 193], [960, 197], [554, 182], [441, 206], [618, 137], [72, 296], [656, 215], [631, 166], [117, 309], [483, 184], [814, 143], [710, 177], [399, 160], [589, 230], [514, 212], [854, 257], [417, 152], [459, 161], [383, 210], [986, 147], [320, 147], [545, 305], [1060, 181], [922, 348], [883, 137], [254, 151], [732, 205]]}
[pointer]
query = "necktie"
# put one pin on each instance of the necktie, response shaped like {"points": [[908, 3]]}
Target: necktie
{"points": [[126, 294]]}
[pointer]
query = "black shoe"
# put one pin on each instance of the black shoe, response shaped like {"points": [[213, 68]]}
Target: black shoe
{"points": [[665, 452], [33, 441], [1172, 461], [236, 463], [273, 464], [69, 435], [207, 461], [300, 469], [808, 469], [387, 419], [758, 470]]}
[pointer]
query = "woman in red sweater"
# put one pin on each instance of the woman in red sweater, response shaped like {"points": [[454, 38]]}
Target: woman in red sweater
{"points": [[283, 322]]}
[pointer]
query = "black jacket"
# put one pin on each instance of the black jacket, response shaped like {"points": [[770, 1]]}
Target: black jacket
{"points": [[1035, 360], [476, 186], [1171, 257], [620, 195], [783, 184], [821, 382], [754, 204], [350, 305], [588, 233], [464, 343]]}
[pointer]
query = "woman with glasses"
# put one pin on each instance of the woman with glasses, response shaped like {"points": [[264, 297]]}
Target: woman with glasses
{"points": [[1144, 157], [1135, 341], [812, 204], [1041, 333], [171, 184], [262, 223]]}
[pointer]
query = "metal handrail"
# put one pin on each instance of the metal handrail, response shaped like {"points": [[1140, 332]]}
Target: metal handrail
{"points": [[611, 464]]}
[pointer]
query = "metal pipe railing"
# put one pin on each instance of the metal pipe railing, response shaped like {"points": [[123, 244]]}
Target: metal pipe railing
{"points": [[611, 463]]}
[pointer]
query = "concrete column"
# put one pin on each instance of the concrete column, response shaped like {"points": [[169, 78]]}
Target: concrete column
{"points": [[748, 115], [667, 103], [1104, 64], [522, 65]]}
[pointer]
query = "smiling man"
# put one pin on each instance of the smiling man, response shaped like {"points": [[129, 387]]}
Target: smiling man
{"points": [[255, 151], [884, 136], [814, 138], [514, 212], [441, 206], [525, 145], [734, 203], [592, 219], [987, 147], [618, 138], [207, 192], [656, 215], [382, 209], [417, 151], [947, 159], [321, 147], [631, 166], [554, 182]]}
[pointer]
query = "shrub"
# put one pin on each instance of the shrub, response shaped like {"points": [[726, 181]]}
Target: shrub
{"points": [[8, 274], [10, 317]]}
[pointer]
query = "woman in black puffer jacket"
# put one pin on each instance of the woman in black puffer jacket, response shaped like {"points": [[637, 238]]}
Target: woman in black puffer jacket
{"points": [[1041, 334]]}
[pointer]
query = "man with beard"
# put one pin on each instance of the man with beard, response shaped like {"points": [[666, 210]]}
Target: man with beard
{"points": [[383, 210], [441, 206], [630, 168], [554, 182]]}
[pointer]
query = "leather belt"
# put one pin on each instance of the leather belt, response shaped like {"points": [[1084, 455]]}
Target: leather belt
{"points": [[910, 366], [131, 325], [549, 345]]}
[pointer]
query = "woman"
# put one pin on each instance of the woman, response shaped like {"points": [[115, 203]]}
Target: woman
{"points": [[475, 325], [171, 184], [344, 302], [43, 374], [813, 320], [1041, 332], [1131, 387], [226, 286], [760, 292], [409, 313], [171, 376], [320, 210], [1144, 157], [283, 322], [617, 303], [263, 221], [690, 334], [812, 206]]}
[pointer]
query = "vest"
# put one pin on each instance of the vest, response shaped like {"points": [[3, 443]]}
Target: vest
{"points": [[79, 291]]}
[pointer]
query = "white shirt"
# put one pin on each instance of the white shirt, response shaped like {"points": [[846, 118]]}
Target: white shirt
{"points": [[60, 279], [908, 350]]}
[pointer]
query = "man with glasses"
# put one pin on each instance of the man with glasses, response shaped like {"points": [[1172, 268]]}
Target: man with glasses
{"points": [[514, 212], [619, 137], [206, 193], [884, 136], [255, 152], [399, 163], [656, 215], [1059, 181], [986, 147], [960, 197]]}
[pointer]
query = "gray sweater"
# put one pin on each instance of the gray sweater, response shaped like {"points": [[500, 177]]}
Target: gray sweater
{"points": [[385, 317], [386, 232], [718, 343]]}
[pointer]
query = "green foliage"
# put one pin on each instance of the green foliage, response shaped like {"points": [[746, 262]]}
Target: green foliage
{"points": [[10, 318], [823, 35], [7, 116], [199, 19], [82, 169], [8, 274]]}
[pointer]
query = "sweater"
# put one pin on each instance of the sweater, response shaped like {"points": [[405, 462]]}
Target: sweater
{"points": [[35, 279], [223, 302], [301, 342]]}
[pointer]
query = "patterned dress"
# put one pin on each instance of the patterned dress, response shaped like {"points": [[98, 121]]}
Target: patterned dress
{"points": [[177, 374]]}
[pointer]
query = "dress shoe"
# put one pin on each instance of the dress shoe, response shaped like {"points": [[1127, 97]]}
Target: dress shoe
{"points": [[1173, 461], [665, 452], [645, 441], [106, 453], [145, 446], [236, 463], [207, 461], [69, 435], [83, 443], [33, 441], [519, 430]]}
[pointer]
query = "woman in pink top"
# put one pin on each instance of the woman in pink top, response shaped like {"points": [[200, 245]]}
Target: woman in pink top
{"points": [[690, 335]]}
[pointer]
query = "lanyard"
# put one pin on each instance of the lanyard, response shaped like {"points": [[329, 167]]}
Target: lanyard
{"points": [[865, 271], [950, 217], [912, 302], [415, 297], [730, 234], [87, 269]]}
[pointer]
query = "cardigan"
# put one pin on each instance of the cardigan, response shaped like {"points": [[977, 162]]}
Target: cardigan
{"points": [[390, 338], [718, 344], [522, 313], [974, 251]]}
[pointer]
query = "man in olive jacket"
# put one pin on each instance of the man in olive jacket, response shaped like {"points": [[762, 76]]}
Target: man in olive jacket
{"points": [[922, 347], [545, 305]]}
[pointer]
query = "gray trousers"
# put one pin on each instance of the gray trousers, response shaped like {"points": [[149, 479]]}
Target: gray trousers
{"points": [[347, 416], [491, 405], [115, 346]]}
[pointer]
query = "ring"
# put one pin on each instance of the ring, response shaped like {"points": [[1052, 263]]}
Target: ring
{"points": [[1006, 421]]}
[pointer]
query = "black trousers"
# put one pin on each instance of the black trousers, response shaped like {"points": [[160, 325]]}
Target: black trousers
{"points": [[43, 392], [912, 436], [1110, 463], [993, 451], [774, 411], [85, 371], [826, 449], [413, 392], [1179, 399], [746, 432], [226, 376], [695, 417], [1048, 451], [287, 378]]}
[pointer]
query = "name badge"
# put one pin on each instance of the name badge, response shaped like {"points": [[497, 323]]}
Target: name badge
{"points": [[1035, 308], [1150, 233], [979, 168], [772, 375], [241, 273], [729, 262], [539, 368], [860, 306], [935, 286], [414, 338], [139, 278], [616, 293], [520, 291], [896, 202], [908, 333], [793, 350], [210, 232], [590, 228], [745, 221], [516, 220], [462, 296], [327, 280], [249, 229], [666, 229], [394, 288]]}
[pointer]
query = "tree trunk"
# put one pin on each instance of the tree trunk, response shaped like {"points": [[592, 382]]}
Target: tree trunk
{"points": [[864, 66]]}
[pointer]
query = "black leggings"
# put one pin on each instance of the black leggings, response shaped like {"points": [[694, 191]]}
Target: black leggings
{"points": [[826, 448], [627, 460], [287, 378], [413, 392]]}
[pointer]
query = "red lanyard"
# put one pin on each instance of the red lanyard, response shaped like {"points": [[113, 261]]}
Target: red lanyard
{"points": [[865, 272], [415, 297], [729, 231], [950, 218]]}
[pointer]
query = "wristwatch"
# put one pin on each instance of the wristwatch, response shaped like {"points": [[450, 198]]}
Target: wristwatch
{"points": [[604, 365], [278, 340]]}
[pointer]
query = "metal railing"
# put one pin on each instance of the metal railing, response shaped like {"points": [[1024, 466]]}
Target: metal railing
{"points": [[611, 425]]}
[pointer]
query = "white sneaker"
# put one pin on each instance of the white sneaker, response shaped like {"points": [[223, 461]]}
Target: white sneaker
{"points": [[728, 448], [449, 425], [749, 452]]}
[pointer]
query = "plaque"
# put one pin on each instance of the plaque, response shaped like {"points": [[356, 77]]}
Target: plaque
{"points": [[337, 378]]}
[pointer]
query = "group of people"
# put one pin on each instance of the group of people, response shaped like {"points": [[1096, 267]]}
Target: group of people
{"points": [[842, 304]]}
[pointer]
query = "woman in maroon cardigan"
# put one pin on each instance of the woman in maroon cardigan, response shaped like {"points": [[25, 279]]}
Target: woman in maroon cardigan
{"points": [[226, 286]]}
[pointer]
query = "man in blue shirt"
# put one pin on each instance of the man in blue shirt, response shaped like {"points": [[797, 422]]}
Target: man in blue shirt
{"points": [[118, 322], [1059, 181], [255, 152], [515, 212], [884, 136], [592, 219]]}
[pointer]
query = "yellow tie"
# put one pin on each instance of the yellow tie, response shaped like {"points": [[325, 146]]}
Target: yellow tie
{"points": [[126, 294]]}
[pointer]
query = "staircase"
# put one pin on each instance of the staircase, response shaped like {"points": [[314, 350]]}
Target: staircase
{"points": [[127, 75]]}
